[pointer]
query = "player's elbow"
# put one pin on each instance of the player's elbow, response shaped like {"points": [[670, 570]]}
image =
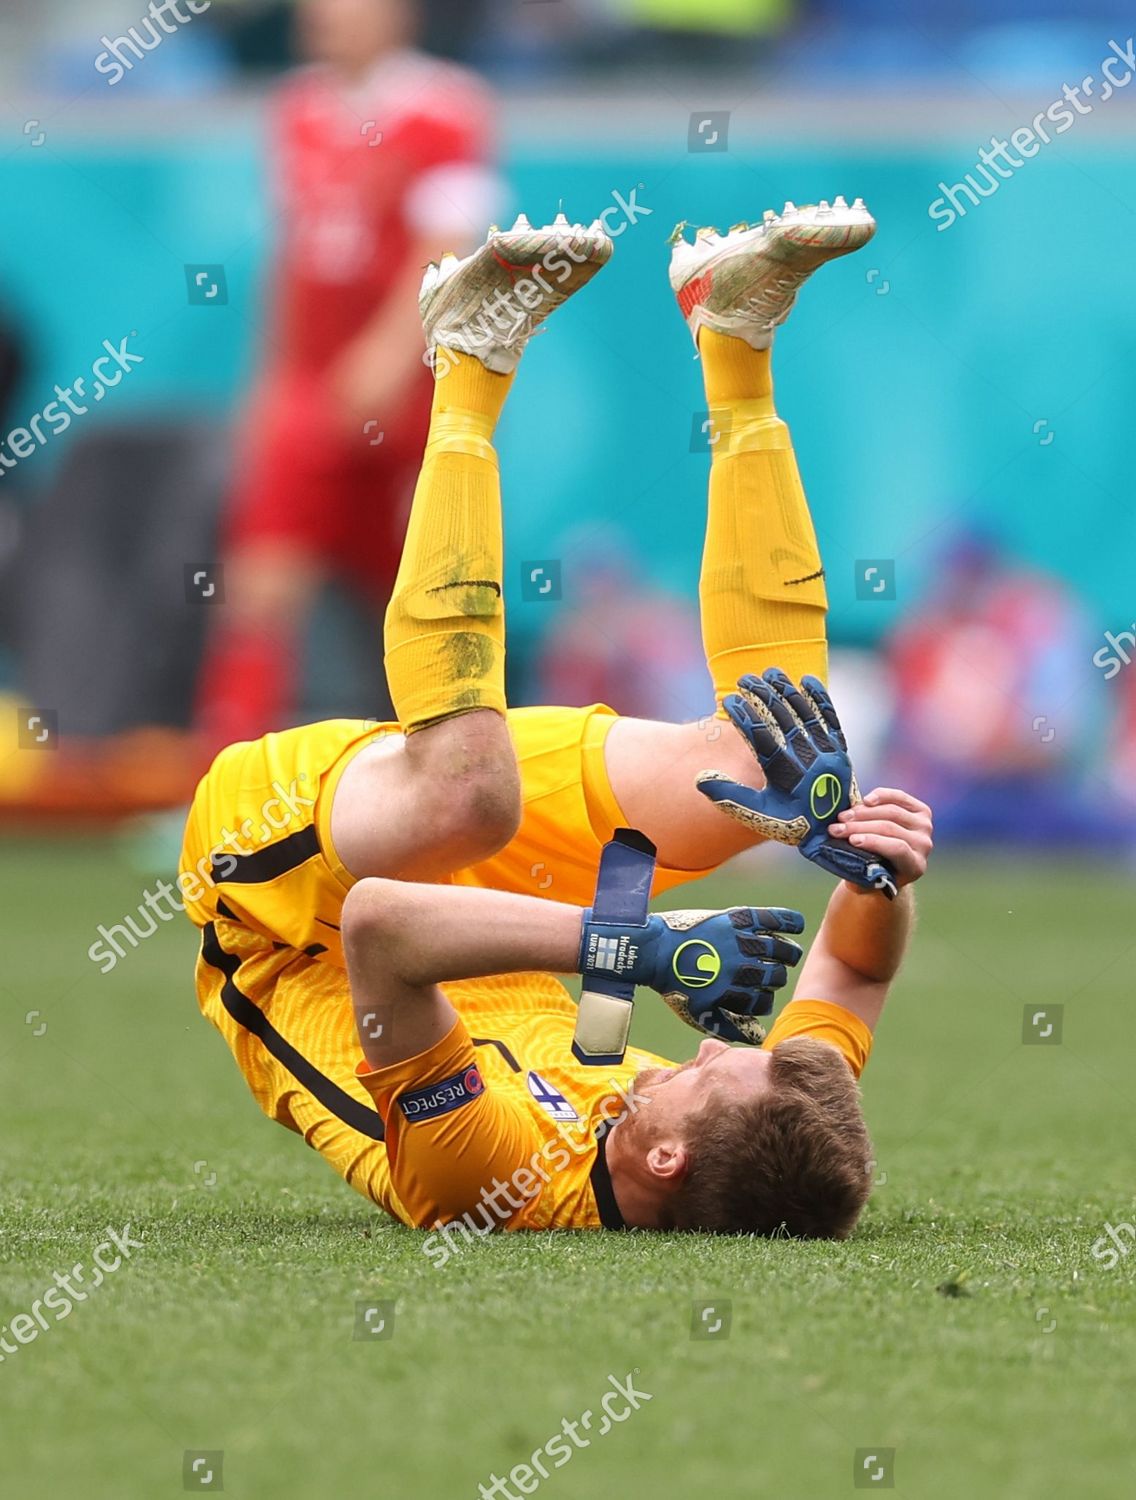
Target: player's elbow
{"points": [[369, 910], [377, 915]]}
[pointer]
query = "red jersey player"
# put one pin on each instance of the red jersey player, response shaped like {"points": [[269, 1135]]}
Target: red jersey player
{"points": [[381, 161]]}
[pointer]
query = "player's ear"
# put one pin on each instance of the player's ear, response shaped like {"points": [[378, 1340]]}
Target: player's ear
{"points": [[667, 1161]]}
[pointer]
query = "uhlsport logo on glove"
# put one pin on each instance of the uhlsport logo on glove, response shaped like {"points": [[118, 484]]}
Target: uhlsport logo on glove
{"points": [[826, 796], [696, 964]]}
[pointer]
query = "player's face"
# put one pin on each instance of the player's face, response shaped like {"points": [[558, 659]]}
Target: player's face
{"points": [[666, 1098], [351, 34]]}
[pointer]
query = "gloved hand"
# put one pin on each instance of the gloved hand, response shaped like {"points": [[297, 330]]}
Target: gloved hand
{"points": [[717, 970], [797, 739]]}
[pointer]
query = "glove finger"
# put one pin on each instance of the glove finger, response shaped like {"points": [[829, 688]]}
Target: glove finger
{"points": [[773, 918], [780, 768], [720, 788], [760, 977], [797, 741], [786, 689], [749, 1002], [805, 710], [818, 693], [764, 695], [780, 949], [750, 807], [750, 1031], [717, 1023]]}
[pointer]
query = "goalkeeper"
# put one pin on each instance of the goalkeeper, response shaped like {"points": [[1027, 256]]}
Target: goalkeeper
{"points": [[380, 962]]}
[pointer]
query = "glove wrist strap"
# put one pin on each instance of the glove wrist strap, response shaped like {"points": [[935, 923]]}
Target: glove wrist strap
{"points": [[612, 953], [610, 941]]}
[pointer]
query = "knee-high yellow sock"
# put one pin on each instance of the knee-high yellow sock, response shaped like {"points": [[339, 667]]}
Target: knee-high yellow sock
{"points": [[445, 624], [762, 588]]}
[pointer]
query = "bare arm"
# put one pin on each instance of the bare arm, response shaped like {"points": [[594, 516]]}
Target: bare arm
{"points": [[402, 941], [862, 941], [857, 951]]}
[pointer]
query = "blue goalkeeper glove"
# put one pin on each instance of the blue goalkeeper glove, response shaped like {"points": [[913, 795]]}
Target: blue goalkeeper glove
{"points": [[797, 739], [717, 970]]}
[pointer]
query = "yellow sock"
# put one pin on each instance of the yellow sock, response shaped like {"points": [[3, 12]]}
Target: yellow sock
{"points": [[445, 624], [762, 588]]}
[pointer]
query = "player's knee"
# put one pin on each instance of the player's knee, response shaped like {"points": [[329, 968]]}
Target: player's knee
{"points": [[485, 810], [475, 808]]}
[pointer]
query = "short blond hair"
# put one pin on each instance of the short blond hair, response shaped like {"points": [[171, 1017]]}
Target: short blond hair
{"points": [[796, 1160]]}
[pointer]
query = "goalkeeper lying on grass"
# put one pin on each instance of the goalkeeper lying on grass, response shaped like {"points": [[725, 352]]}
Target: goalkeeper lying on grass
{"points": [[383, 970]]}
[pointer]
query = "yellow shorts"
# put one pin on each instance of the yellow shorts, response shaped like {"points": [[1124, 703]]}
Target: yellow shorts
{"points": [[259, 830]]}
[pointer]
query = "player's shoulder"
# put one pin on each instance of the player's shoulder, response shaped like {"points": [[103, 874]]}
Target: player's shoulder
{"points": [[408, 87], [300, 88], [413, 85], [305, 105]]}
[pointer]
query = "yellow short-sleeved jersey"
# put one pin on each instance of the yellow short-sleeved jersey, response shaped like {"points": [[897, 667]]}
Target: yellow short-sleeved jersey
{"points": [[289, 1022]]}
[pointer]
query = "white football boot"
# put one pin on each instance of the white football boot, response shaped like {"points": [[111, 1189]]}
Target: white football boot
{"points": [[491, 303], [744, 283]]}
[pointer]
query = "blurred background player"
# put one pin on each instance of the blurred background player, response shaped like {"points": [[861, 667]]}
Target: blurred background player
{"points": [[1008, 775], [382, 161]]}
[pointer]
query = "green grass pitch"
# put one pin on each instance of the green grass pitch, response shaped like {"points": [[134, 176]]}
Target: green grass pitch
{"points": [[967, 1326]]}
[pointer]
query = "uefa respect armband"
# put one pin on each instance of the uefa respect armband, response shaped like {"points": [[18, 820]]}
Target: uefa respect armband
{"points": [[442, 1098]]}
